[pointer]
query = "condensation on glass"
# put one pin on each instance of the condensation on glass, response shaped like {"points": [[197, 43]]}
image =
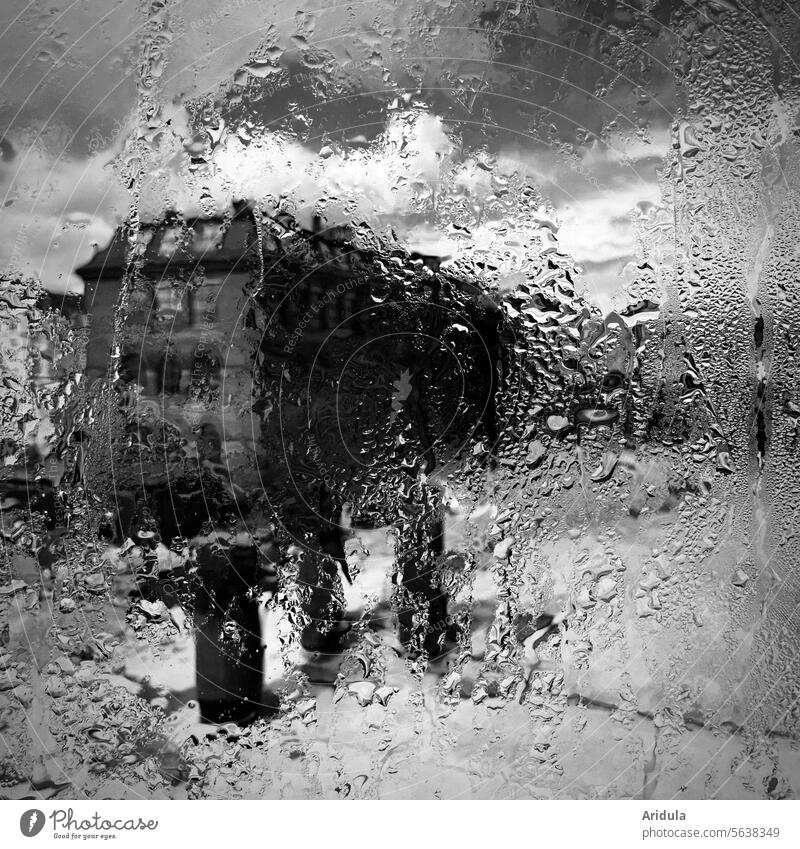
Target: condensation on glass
{"points": [[400, 400]]}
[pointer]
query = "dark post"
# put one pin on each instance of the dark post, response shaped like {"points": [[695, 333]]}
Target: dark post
{"points": [[227, 633]]}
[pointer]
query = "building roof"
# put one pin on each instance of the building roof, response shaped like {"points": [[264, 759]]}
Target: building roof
{"points": [[175, 244]]}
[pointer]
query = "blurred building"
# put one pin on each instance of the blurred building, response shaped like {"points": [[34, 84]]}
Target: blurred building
{"points": [[196, 341]]}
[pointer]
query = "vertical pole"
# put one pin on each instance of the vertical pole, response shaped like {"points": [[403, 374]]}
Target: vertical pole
{"points": [[420, 545], [229, 649]]}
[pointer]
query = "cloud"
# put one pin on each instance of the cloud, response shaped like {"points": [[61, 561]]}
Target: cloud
{"points": [[598, 194], [61, 209], [55, 213]]}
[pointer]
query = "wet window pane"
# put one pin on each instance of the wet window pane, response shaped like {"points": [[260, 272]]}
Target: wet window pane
{"points": [[399, 400]]}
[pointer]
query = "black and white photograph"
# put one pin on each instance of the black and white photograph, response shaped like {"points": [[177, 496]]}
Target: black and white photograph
{"points": [[399, 401]]}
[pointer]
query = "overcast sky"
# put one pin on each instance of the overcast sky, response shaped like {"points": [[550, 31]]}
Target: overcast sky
{"points": [[69, 97]]}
